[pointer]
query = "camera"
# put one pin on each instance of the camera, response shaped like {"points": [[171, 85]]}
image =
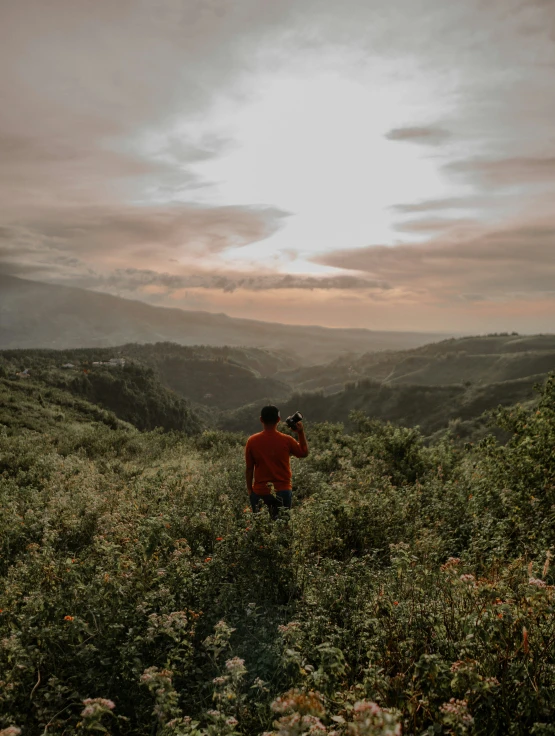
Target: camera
{"points": [[293, 419]]}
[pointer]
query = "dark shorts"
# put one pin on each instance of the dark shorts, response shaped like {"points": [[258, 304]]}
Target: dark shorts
{"points": [[282, 500]]}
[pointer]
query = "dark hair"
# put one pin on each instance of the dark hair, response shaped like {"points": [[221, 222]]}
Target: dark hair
{"points": [[269, 414]]}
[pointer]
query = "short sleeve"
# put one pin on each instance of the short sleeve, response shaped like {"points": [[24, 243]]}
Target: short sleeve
{"points": [[249, 459], [294, 447]]}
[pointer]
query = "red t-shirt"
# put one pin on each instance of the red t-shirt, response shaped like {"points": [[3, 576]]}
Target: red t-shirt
{"points": [[269, 451]]}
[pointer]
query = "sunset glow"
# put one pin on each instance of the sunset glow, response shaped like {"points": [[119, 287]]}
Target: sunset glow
{"points": [[348, 165]]}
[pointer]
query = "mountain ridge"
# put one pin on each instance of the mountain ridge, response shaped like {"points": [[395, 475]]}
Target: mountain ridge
{"points": [[34, 314]]}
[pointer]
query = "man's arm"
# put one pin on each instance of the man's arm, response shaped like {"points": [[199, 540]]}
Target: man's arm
{"points": [[299, 429]]}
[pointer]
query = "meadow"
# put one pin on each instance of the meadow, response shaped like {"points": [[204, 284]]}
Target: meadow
{"points": [[409, 591]]}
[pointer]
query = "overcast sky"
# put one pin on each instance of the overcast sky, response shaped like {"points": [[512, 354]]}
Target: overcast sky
{"points": [[369, 163]]}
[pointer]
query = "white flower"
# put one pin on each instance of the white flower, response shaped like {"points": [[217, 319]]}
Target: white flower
{"points": [[235, 665], [537, 582]]}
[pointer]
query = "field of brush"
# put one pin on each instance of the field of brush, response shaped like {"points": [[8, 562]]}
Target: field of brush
{"points": [[408, 591]]}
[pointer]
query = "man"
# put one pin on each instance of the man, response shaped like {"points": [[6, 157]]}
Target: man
{"points": [[267, 456]]}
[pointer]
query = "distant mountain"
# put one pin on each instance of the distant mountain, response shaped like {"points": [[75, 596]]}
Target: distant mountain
{"points": [[35, 314]]}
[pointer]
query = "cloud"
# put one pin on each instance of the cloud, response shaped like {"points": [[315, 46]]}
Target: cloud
{"points": [[429, 205], [498, 264], [425, 135], [506, 171], [133, 281], [430, 225], [148, 233]]}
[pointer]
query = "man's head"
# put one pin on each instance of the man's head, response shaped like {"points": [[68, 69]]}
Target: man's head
{"points": [[269, 415]]}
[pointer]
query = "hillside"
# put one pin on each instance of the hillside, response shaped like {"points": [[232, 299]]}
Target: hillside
{"points": [[410, 589], [481, 359], [34, 314], [213, 377], [131, 393], [433, 387], [431, 408]]}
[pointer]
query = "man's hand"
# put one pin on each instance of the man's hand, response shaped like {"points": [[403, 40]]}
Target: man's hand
{"points": [[299, 429]]}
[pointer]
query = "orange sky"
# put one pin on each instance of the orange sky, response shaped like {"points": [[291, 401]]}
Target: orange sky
{"points": [[366, 164]]}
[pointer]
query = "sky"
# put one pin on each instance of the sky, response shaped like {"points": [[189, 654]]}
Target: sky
{"points": [[388, 165]]}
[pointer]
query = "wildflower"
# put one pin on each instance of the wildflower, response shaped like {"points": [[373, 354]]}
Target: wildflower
{"points": [[10, 731], [467, 578], [537, 582], [451, 562], [220, 680], [69, 618], [214, 713], [363, 706], [235, 665], [395, 603], [457, 710], [288, 628], [525, 644], [231, 721], [208, 559], [96, 706], [302, 703], [103, 702], [219, 539]]}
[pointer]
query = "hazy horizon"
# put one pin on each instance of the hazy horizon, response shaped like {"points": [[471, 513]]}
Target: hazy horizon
{"points": [[357, 165]]}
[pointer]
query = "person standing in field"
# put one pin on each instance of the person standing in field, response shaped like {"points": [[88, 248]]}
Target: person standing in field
{"points": [[267, 456]]}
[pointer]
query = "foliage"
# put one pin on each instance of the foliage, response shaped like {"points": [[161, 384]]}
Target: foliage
{"points": [[410, 590], [131, 392]]}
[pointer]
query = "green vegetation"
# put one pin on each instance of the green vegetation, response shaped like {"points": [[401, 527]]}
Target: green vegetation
{"points": [[437, 387], [132, 391], [410, 590]]}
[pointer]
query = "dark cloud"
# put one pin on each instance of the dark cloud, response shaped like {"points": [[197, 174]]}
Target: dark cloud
{"points": [[430, 205], [131, 280], [506, 171], [501, 263], [426, 135]]}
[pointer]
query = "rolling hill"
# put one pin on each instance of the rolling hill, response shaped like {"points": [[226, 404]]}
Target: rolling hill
{"points": [[478, 360]]}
